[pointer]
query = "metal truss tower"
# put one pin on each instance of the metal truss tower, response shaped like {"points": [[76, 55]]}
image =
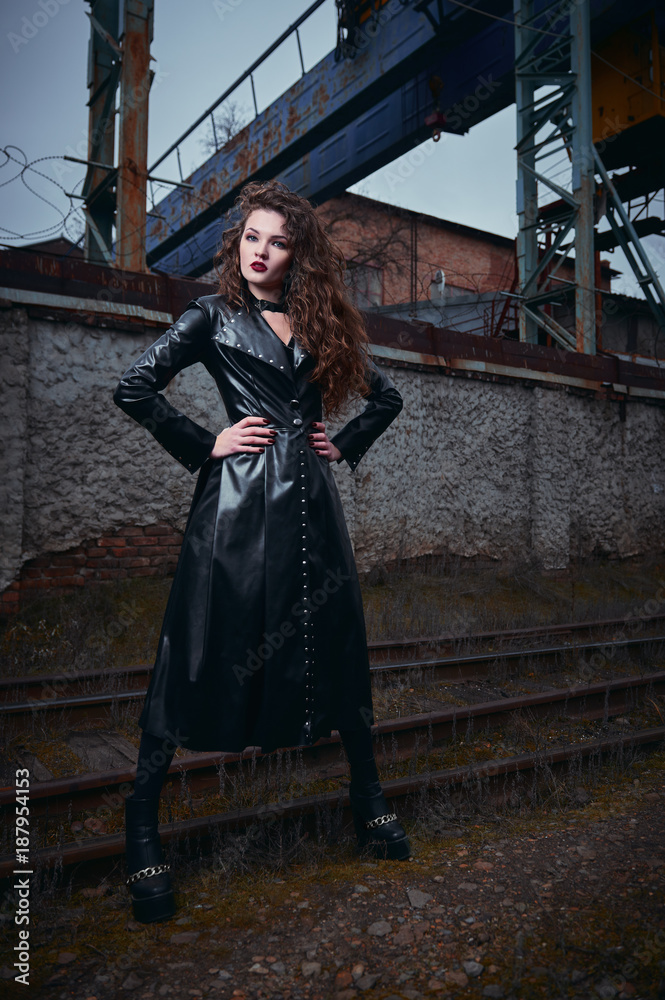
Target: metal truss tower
{"points": [[547, 43], [552, 50]]}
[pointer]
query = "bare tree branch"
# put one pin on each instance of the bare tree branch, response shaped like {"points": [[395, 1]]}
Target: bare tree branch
{"points": [[230, 119]]}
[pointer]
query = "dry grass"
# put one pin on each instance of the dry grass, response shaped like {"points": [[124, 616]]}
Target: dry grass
{"points": [[118, 624]]}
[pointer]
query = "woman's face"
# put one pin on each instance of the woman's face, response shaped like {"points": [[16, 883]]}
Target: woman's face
{"points": [[265, 253]]}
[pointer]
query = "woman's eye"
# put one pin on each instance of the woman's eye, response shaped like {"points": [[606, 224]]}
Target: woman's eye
{"points": [[279, 243]]}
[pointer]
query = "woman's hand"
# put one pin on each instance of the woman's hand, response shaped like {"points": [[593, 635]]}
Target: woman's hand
{"points": [[318, 440], [249, 434]]}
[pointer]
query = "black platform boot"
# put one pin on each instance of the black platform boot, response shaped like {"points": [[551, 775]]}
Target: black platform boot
{"points": [[149, 882], [376, 825]]}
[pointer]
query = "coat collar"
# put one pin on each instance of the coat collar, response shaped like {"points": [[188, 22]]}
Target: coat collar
{"points": [[252, 334]]}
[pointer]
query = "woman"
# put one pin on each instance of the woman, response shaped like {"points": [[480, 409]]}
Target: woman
{"points": [[263, 641]]}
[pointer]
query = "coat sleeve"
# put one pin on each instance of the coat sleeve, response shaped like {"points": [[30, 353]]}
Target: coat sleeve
{"points": [[359, 434], [138, 391]]}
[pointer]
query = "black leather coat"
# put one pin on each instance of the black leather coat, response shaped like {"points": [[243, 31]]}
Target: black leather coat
{"points": [[263, 640]]}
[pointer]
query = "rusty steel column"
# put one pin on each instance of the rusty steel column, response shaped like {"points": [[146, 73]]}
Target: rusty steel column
{"points": [[526, 244], [583, 179], [103, 71], [135, 37]]}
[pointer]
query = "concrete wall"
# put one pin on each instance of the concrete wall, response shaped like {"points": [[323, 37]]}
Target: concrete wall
{"points": [[469, 467], [480, 468]]}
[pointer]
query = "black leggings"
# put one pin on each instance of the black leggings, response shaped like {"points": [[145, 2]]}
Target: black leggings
{"points": [[359, 751], [156, 754]]}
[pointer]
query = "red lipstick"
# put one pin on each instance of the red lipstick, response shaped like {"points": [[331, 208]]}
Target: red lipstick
{"points": [[258, 266]]}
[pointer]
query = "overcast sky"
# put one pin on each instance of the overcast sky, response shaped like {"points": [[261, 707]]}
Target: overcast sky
{"points": [[199, 48]]}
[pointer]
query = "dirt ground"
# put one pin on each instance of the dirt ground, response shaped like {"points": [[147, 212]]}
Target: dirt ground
{"points": [[549, 903], [562, 897]]}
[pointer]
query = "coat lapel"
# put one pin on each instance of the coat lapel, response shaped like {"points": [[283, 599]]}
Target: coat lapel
{"points": [[300, 355], [250, 333], [271, 346], [247, 332]]}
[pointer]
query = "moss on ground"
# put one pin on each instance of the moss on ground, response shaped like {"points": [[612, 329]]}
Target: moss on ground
{"points": [[216, 896], [247, 877]]}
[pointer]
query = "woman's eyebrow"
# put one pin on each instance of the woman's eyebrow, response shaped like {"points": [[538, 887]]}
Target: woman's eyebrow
{"points": [[275, 236]]}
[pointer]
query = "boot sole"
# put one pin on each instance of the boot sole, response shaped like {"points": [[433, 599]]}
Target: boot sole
{"points": [[396, 850], [154, 909]]}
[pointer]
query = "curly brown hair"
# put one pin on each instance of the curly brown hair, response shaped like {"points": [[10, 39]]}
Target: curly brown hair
{"points": [[322, 318]]}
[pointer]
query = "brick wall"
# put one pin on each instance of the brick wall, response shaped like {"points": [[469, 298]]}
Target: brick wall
{"points": [[150, 550], [474, 261]]}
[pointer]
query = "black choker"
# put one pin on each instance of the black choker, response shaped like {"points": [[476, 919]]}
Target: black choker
{"points": [[266, 304]]}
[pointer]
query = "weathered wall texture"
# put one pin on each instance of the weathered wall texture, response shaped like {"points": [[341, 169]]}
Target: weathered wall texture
{"points": [[505, 471], [469, 467], [14, 390]]}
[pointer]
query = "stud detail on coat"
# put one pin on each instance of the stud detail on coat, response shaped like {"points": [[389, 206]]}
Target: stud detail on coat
{"points": [[307, 624]]}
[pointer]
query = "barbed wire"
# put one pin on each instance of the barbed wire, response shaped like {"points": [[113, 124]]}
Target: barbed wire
{"points": [[26, 167], [75, 212], [189, 245]]}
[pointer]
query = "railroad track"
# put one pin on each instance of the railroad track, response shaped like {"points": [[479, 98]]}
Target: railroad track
{"points": [[69, 697], [399, 739], [491, 778], [384, 650]]}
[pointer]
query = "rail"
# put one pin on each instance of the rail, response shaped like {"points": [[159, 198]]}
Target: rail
{"points": [[234, 86]]}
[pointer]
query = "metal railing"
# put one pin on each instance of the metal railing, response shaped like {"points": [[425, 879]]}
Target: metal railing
{"points": [[248, 74]]}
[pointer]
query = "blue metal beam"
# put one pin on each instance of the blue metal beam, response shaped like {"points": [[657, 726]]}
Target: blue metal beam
{"points": [[326, 99], [391, 126], [343, 120]]}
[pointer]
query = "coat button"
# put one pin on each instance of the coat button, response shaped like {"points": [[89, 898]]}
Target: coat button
{"points": [[297, 422], [295, 403]]}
